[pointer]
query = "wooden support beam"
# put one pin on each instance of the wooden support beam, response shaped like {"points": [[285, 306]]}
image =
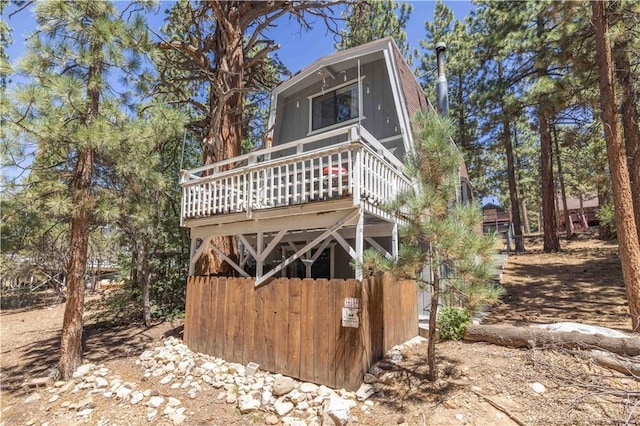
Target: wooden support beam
{"points": [[259, 259], [378, 247], [248, 246], [233, 264], [346, 220], [272, 244], [359, 244]]}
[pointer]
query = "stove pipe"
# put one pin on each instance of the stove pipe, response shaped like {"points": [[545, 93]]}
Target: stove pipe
{"points": [[442, 90]]}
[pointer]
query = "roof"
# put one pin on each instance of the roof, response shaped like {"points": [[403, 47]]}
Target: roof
{"points": [[589, 201]]}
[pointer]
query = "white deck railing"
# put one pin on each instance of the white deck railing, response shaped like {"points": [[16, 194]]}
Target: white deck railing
{"points": [[365, 171]]}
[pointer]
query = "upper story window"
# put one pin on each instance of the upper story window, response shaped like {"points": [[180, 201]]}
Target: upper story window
{"points": [[334, 107]]}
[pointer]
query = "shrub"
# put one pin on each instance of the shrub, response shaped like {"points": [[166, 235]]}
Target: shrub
{"points": [[452, 322]]}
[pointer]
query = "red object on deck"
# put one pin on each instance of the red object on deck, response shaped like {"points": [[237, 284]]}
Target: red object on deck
{"points": [[334, 170]]}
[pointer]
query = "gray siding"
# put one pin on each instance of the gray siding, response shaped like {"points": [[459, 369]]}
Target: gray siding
{"points": [[380, 115]]}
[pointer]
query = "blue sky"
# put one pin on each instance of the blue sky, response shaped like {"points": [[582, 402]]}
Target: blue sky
{"points": [[298, 48]]}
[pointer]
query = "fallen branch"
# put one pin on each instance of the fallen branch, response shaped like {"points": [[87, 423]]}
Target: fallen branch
{"points": [[530, 337], [621, 365], [500, 408]]}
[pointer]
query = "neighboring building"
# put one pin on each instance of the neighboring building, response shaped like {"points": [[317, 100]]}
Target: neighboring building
{"points": [[495, 218], [588, 206], [311, 202]]}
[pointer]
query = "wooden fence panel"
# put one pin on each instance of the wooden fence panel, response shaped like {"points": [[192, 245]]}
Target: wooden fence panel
{"points": [[294, 348], [294, 327], [221, 315], [281, 324], [249, 321], [321, 334], [307, 322]]}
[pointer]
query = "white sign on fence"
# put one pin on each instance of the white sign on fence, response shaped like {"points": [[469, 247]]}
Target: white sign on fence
{"points": [[350, 317], [352, 302]]}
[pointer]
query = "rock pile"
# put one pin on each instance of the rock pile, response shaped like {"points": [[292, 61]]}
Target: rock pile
{"points": [[282, 398], [74, 400], [173, 369]]}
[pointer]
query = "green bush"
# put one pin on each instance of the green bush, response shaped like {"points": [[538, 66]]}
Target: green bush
{"points": [[607, 217], [452, 322]]}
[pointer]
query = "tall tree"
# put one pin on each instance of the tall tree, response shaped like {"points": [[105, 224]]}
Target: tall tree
{"points": [[439, 234], [74, 116], [626, 44], [368, 21], [625, 222], [215, 53]]}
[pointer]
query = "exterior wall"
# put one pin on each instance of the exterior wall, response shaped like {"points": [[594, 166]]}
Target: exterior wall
{"points": [[294, 327], [380, 117]]}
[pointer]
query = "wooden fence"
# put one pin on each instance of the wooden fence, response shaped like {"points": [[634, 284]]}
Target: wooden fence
{"points": [[294, 327]]}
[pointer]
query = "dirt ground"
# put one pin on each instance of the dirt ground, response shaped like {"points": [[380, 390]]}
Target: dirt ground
{"points": [[479, 384]]}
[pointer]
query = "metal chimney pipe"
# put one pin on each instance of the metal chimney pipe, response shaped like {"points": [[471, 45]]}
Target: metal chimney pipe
{"points": [[442, 89]]}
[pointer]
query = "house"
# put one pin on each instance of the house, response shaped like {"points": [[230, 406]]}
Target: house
{"points": [[495, 218], [587, 204], [310, 202]]}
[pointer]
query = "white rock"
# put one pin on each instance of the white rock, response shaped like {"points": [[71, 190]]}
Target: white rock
{"points": [[460, 417], [266, 397], [325, 391], [177, 419], [304, 405], [296, 396], [538, 387], [309, 388], [155, 401], [208, 366], [248, 403], [282, 385], [82, 370], [108, 394], [231, 399], [101, 382], [123, 392], [152, 415], [85, 412], [338, 409], [181, 410], [136, 397], [166, 379], [54, 398], [173, 402], [365, 391], [283, 407]]}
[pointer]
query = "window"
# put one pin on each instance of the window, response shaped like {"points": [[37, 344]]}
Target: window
{"points": [[334, 107]]}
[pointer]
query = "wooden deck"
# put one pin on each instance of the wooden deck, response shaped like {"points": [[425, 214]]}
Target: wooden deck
{"points": [[359, 169]]}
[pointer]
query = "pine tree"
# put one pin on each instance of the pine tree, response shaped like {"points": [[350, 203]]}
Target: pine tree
{"points": [[73, 115], [622, 196], [439, 234], [369, 21]]}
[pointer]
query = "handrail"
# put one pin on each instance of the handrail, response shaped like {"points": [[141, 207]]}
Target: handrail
{"points": [[353, 134], [274, 149], [342, 146]]}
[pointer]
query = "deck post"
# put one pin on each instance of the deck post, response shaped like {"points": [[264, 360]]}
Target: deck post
{"points": [[259, 259], [394, 240], [192, 253], [359, 244]]}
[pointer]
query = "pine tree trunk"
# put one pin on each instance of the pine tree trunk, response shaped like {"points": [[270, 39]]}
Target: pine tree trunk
{"points": [[625, 221], [525, 217], [513, 188], [433, 319], [551, 242], [71, 340], [225, 130], [145, 283], [563, 193], [629, 108]]}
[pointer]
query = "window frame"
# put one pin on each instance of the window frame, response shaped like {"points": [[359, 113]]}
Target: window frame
{"points": [[354, 82]]}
